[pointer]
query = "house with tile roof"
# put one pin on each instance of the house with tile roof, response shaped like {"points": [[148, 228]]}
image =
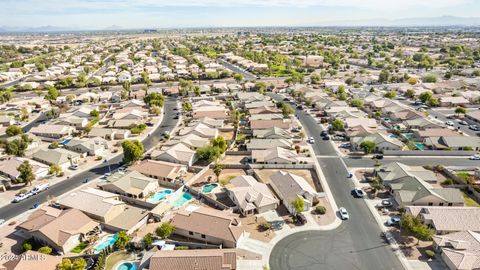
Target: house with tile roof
{"points": [[448, 219], [178, 153], [276, 155], [36, 260], [161, 170], [131, 184], [211, 259], [460, 250]]}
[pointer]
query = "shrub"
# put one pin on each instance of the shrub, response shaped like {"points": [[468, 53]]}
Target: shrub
{"points": [[430, 254], [27, 245], [266, 226], [321, 210], [447, 182], [181, 248], [45, 250], [165, 230]]}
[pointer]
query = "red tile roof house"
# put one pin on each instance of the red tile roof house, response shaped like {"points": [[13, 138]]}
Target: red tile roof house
{"points": [[30, 260], [199, 259], [209, 225], [266, 124]]}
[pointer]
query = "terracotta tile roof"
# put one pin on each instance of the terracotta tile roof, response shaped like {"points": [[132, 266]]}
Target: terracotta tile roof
{"points": [[199, 259]]}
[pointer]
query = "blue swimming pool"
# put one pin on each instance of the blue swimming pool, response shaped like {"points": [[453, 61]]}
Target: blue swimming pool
{"points": [[105, 242], [159, 196], [420, 146], [391, 136], [126, 266], [209, 187], [182, 200]]}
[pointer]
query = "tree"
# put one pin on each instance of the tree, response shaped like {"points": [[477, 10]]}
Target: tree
{"points": [[367, 146], [55, 169], [410, 93], [126, 86], [94, 113], [208, 153], [26, 173], [337, 124], [52, 94], [261, 87], [217, 169], [18, 147], [412, 80], [132, 151], [315, 78], [415, 226], [155, 110], [5, 95], [154, 99], [220, 143], [187, 106], [298, 204], [238, 78], [165, 230], [356, 102], [429, 78], [425, 96], [45, 250], [66, 264], [122, 239], [148, 240], [460, 110], [13, 130], [390, 94]]}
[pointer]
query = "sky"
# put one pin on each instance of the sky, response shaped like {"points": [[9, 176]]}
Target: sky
{"points": [[99, 14]]}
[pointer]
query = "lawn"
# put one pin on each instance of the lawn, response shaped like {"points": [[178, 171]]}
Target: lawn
{"points": [[464, 176], [80, 247], [469, 201]]}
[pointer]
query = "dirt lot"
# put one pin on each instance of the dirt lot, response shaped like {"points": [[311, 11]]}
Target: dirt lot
{"points": [[227, 135], [411, 247], [308, 175], [233, 159], [252, 225], [225, 177], [329, 216]]}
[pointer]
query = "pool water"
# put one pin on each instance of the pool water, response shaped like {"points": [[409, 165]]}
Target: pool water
{"points": [[209, 187], [106, 242], [159, 196], [392, 136], [126, 266], [182, 200], [420, 146]]}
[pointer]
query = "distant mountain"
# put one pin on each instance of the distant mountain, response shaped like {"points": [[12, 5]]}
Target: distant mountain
{"points": [[39, 29], [113, 27], [421, 21]]}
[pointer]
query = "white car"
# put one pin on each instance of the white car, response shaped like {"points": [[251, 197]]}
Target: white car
{"points": [[449, 123], [22, 196], [39, 188], [392, 221], [476, 157], [343, 213], [359, 192], [311, 140], [461, 122]]}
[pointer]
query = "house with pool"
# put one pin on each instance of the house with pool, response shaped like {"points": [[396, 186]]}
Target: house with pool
{"points": [[131, 184], [208, 225], [224, 259], [160, 170]]}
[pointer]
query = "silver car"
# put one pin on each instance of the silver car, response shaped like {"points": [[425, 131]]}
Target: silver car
{"points": [[343, 213]]}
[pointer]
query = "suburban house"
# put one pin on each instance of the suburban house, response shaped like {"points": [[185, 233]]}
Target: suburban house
{"points": [[267, 124], [9, 168], [195, 259], [60, 229], [200, 129], [459, 250], [259, 144], [52, 132], [473, 115], [289, 187], [47, 262], [191, 140], [76, 122], [161, 170], [251, 196], [276, 155], [453, 101], [447, 219], [6, 120], [90, 146], [272, 133], [131, 184], [107, 208], [420, 123], [396, 170], [382, 142], [109, 133], [453, 143], [179, 153], [224, 228], [59, 156]]}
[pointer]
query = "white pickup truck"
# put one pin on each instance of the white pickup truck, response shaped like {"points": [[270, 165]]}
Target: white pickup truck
{"points": [[39, 188]]}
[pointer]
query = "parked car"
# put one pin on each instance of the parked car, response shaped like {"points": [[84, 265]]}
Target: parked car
{"points": [[462, 122], [301, 219], [311, 140], [359, 192], [385, 203], [323, 133], [476, 157], [343, 213], [377, 156], [449, 123], [474, 127], [392, 221], [326, 138], [345, 145], [22, 196], [39, 188]]}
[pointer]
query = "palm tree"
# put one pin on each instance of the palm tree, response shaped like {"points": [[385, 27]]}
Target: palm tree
{"points": [[126, 85]]}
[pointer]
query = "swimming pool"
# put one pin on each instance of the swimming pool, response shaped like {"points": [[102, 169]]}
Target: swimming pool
{"points": [[126, 266], [182, 200], [159, 196], [408, 135], [105, 242], [209, 187], [391, 136], [420, 146]]}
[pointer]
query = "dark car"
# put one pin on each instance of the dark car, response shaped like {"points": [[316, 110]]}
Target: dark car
{"points": [[301, 219], [377, 156], [323, 133], [326, 138]]}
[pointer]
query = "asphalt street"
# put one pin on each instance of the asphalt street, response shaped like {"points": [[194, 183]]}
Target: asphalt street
{"points": [[63, 187], [356, 244]]}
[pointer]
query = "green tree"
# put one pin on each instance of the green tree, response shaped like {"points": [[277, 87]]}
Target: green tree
{"points": [[337, 124], [67, 264], [219, 142], [367, 146], [429, 78], [410, 93], [18, 147], [52, 94], [127, 87], [425, 96], [208, 153], [94, 113], [27, 245], [148, 240], [390, 94], [55, 169], [26, 173], [165, 230], [315, 78], [384, 76], [261, 87], [414, 226], [298, 204], [13, 130], [155, 110], [154, 99], [217, 170], [460, 110], [187, 106], [122, 239], [238, 78], [132, 151], [45, 250], [356, 102]]}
